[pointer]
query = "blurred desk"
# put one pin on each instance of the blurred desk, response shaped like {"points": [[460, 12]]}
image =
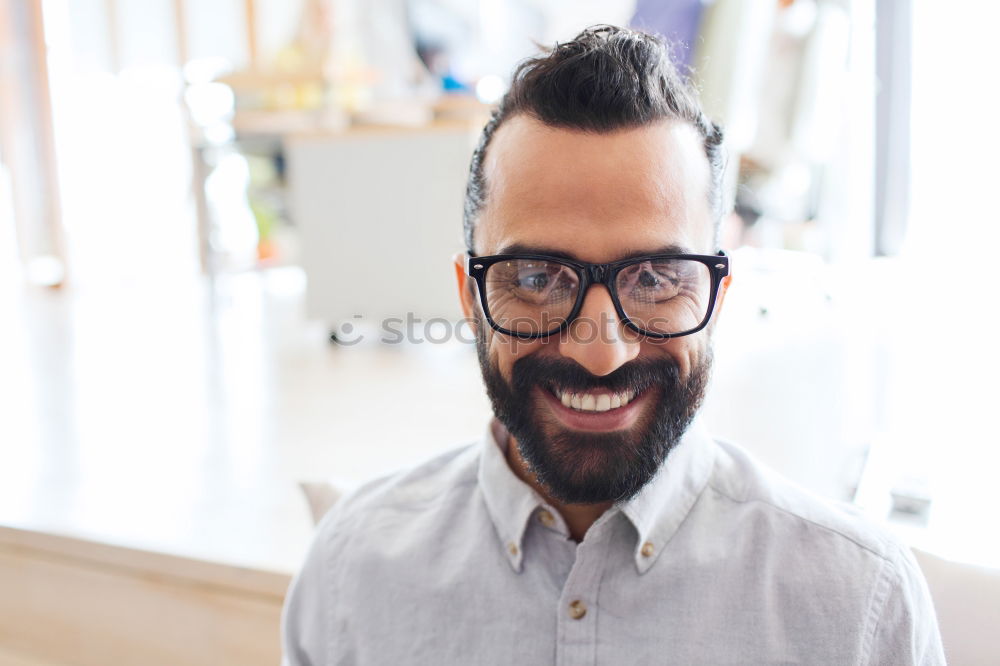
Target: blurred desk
{"points": [[73, 601], [396, 166], [379, 213]]}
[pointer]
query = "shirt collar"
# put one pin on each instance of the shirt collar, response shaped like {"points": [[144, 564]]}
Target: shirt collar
{"points": [[509, 500], [663, 504], [656, 512]]}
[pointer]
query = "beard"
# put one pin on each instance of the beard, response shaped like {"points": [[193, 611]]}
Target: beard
{"points": [[578, 467]]}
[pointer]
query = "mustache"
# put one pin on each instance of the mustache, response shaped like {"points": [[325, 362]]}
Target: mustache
{"points": [[566, 375]]}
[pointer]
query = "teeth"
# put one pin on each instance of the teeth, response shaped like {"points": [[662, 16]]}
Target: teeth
{"points": [[591, 402]]}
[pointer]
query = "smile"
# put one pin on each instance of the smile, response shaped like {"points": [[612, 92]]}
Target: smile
{"points": [[594, 411], [593, 402]]}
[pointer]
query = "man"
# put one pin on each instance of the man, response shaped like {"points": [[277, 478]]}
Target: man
{"points": [[595, 524]]}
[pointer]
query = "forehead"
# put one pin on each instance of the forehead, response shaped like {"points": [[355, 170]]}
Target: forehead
{"points": [[595, 196]]}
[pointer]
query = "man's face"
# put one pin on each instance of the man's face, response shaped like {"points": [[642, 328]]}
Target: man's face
{"points": [[597, 198]]}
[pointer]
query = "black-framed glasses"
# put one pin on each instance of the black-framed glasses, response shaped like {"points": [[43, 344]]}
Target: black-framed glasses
{"points": [[660, 295]]}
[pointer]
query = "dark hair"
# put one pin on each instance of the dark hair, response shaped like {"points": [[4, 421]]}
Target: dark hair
{"points": [[606, 79]]}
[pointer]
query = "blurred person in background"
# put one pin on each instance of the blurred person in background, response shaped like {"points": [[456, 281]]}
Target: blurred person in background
{"points": [[596, 522]]}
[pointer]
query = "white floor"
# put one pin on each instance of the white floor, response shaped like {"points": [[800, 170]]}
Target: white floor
{"points": [[180, 417]]}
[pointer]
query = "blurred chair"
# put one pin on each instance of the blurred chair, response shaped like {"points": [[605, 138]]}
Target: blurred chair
{"points": [[320, 496]]}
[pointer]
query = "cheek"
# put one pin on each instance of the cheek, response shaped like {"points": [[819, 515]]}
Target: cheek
{"points": [[684, 351], [505, 351]]}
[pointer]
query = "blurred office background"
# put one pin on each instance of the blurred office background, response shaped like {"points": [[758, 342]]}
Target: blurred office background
{"points": [[226, 230]]}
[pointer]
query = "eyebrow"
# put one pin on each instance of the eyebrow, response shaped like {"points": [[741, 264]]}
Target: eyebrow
{"points": [[521, 248]]}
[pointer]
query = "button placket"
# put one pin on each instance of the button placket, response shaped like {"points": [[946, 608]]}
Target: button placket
{"points": [[576, 629]]}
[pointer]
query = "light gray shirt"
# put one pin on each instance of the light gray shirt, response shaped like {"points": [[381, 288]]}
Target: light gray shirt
{"points": [[716, 561]]}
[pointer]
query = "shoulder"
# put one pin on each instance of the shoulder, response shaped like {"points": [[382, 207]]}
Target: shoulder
{"points": [[808, 542], [748, 485], [375, 522], [405, 494]]}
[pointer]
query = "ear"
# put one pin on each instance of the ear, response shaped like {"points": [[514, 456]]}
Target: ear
{"points": [[723, 288], [466, 287]]}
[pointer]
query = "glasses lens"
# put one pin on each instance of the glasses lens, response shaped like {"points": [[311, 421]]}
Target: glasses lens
{"points": [[529, 296], [665, 296]]}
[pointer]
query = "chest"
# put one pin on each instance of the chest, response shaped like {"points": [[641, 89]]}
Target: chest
{"points": [[588, 604]]}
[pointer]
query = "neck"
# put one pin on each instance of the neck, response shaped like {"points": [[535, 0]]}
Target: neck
{"points": [[578, 517]]}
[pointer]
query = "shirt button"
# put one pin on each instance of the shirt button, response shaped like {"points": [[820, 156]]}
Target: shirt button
{"points": [[577, 609], [647, 549], [512, 548], [546, 517]]}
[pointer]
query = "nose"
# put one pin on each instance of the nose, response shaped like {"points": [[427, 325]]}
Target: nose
{"points": [[597, 339]]}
